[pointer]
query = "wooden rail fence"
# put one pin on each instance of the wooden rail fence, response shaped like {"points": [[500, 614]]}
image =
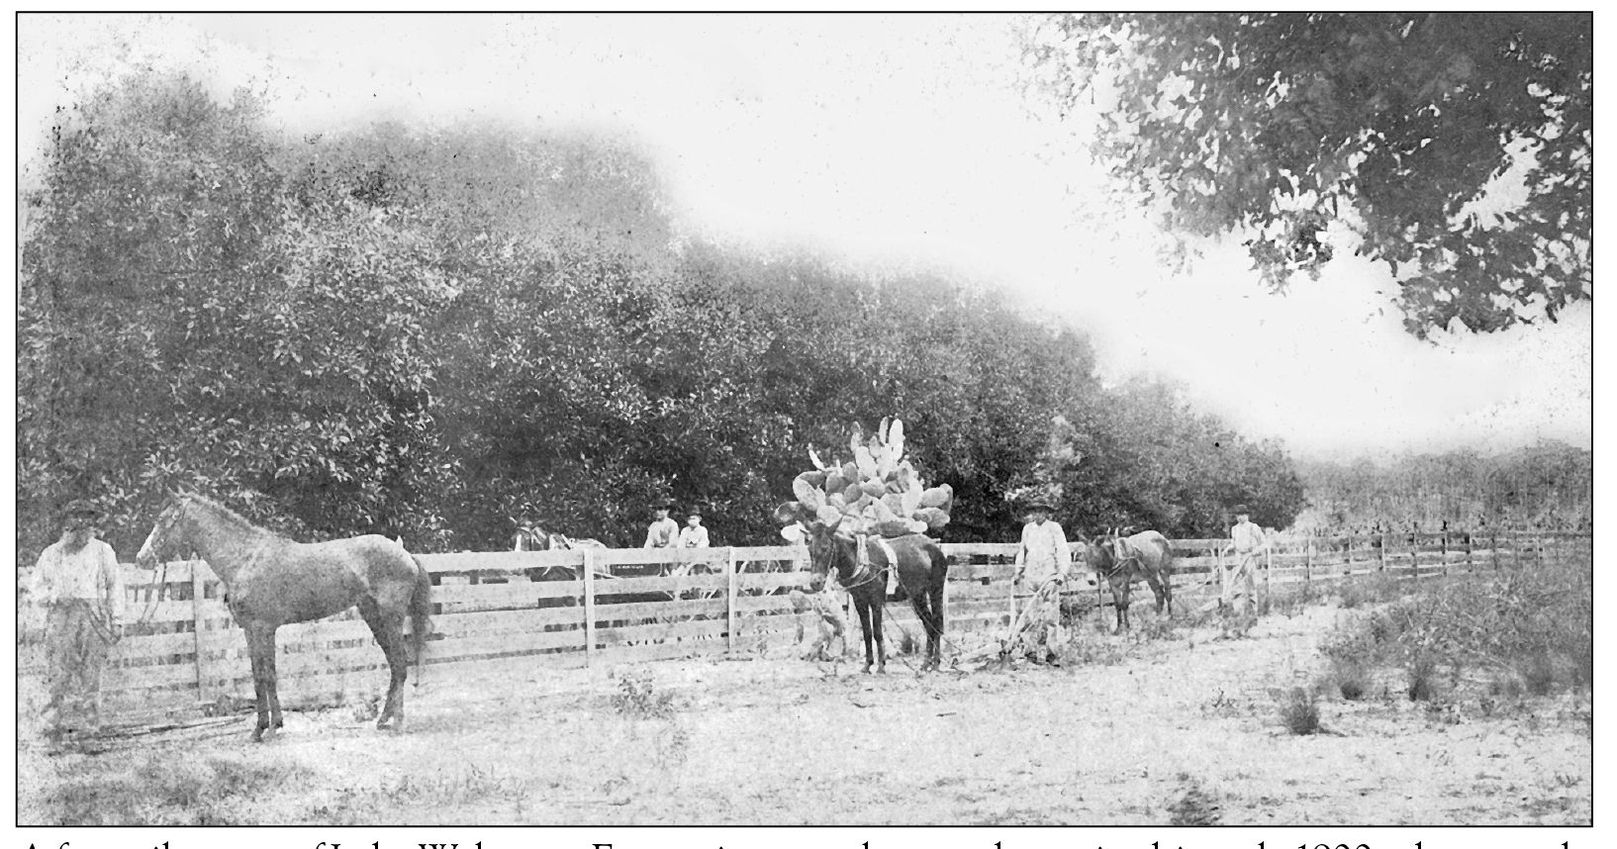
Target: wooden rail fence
{"points": [[520, 610]]}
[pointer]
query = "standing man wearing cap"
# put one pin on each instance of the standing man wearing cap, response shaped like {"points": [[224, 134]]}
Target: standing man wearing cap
{"points": [[77, 582], [1042, 562], [693, 535], [663, 531], [1247, 541]]}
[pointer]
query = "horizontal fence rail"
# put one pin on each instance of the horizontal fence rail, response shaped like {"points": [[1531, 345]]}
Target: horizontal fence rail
{"points": [[518, 609]]}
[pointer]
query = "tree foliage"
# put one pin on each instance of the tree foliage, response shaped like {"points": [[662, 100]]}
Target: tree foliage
{"points": [[1546, 485], [444, 334], [1456, 148]]}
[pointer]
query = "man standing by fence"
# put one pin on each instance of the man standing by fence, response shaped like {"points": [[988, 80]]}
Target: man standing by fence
{"points": [[1042, 563], [77, 583], [1247, 541]]}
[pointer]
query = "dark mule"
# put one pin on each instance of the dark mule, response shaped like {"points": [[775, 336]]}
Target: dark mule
{"points": [[1145, 556], [272, 581], [922, 570]]}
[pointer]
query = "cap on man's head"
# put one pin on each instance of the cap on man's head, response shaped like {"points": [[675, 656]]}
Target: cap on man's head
{"points": [[1037, 507], [1240, 510], [694, 512]]}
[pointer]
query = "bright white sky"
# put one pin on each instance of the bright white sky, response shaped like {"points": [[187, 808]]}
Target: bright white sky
{"points": [[886, 143]]}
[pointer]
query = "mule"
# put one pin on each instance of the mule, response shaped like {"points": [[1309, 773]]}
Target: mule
{"points": [[1121, 560], [922, 571], [272, 581]]}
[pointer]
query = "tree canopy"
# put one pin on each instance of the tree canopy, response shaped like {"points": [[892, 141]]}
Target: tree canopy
{"points": [[444, 334], [1456, 148]]}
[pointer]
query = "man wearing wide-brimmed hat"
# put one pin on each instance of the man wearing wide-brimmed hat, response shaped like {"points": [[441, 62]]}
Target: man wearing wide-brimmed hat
{"points": [[77, 582], [1247, 541], [1042, 562]]}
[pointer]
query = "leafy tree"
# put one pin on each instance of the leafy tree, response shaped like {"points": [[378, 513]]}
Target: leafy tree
{"points": [[439, 334], [1457, 148], [142, 241]]}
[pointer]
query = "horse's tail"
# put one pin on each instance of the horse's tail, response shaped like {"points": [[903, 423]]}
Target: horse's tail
{"points": [[420, 614]]}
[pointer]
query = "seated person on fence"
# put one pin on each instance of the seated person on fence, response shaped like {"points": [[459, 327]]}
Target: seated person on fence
{"points": [[663, 531], [693, 535]]}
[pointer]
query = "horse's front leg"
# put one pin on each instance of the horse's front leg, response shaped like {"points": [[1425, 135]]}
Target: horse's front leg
{"points": [[875, 618], [1120, 602], [273, 681], [864, 630], [259, 651]]}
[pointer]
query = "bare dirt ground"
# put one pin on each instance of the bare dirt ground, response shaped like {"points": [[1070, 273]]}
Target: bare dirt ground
{"points": [[1183, 728]]}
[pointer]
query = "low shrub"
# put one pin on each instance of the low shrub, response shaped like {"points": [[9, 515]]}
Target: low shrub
{"points": [[1195, 805], [1299, 713], [1350, 677], [637, 697], [1421, 674]]}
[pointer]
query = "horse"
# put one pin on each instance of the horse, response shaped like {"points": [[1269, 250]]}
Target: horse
{"points": [[1122, 560], [922, 571], [272, 581]]}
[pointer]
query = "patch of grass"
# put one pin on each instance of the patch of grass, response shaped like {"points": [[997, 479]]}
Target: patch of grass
{"points": [[907, 644], [637, 697], [1532, 623], [157, 790], [1299, 713], [1195, 806], [1154, 628], [1085, 647], [1350, 677], [1420, 674], [1537, 673]]}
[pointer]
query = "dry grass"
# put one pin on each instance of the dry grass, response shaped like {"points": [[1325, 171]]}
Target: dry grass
{"points": [[154, 790]]}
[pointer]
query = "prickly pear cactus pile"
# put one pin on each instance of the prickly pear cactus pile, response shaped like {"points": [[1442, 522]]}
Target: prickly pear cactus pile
{"points": [[877, 492]]}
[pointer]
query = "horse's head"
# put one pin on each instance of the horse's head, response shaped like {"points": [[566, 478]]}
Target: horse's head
{"points": [[1117, 544], [825, 546], [1101, 552], [167, 535]]}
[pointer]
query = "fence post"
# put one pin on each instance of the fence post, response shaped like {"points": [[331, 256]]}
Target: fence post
{"points": [[589, 606], [198, 586], [1308, 565], [1443, 551], [1381, 553], [730, 631]]}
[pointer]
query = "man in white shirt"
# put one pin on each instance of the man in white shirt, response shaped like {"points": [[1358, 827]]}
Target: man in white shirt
{"points": [[1042, 563], [1247, 541], [78, 584], [693, 535], [663, 532]]}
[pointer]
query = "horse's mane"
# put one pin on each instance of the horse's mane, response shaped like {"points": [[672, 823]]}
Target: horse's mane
{"points": [[226, 513]]}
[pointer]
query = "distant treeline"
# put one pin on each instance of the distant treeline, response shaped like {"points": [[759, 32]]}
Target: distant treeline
{"points": [[442, 334], [1547, 486]]}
